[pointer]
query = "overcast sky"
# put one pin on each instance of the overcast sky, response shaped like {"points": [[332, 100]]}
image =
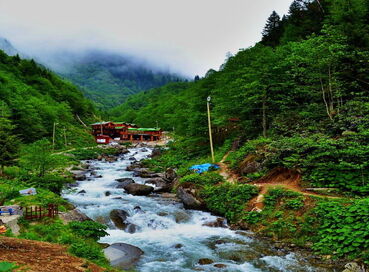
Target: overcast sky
{"points": [[189, 36]]}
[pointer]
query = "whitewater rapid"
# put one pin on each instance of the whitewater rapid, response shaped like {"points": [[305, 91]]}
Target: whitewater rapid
{"points": [[172, 238]]}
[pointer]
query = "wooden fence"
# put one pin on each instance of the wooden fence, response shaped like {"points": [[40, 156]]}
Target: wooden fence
{"points": [[38, 212]]}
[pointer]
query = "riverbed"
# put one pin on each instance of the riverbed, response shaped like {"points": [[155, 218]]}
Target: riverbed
{"points": [[172, 238]]}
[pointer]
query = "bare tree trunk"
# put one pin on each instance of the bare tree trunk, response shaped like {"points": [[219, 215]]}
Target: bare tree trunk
{"points": [[325, 100], [264, 118], [331, 96]]}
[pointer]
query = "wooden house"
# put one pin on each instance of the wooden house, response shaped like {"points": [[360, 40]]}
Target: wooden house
{"points": [[105, 131]]}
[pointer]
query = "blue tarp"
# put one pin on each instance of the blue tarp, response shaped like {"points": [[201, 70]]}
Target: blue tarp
{"points": [[201, 168]]}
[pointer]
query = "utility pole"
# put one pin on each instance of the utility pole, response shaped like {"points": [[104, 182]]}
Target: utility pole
{"points": [[54, 134], [210, 132]]}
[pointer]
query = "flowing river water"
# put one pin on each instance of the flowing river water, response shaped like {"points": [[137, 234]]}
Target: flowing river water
{"points": [[172, 238]]}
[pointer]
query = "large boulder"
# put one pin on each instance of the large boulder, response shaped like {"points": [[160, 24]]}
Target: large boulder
{"points": [[138, 189], [73, 215], [122, 255], [119, 218], [188, 199]]}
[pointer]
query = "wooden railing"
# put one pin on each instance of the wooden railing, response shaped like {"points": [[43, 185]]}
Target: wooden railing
{"points": [[38, 212]]}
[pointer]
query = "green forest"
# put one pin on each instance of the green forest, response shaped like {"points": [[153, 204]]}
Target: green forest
{"points": [[302, 93], [297, 101]]}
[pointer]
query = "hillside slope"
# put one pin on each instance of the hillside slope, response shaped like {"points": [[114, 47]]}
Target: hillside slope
{"points": [[34, 99], [37, 256]]}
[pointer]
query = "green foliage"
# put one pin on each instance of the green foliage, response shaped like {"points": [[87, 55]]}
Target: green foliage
{"points": [[38, 158], [81, 237], [343, 228], [276, 194], [8, 267], [252, 217], [37, 98], [203, 179], [228, 199], [7, 192], [89, 229], [8, 141], [88, 251]]}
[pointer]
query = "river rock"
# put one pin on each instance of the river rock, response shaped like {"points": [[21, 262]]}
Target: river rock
{"points": [[170, 175], [181, 217], [159, 182], [131, 228], [138, 189], [107, 193], [353, 267], [205, 261], [155, 152], [220, 265], [73, 215], [218, 223], [122, 255], [79, 176], [138, 209], [124, 182], [81, 192], [189, 200], [119, 218]]}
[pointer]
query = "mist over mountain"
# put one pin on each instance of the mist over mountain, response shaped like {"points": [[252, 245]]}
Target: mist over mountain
{"points": [[109, 78], [7, 47]]}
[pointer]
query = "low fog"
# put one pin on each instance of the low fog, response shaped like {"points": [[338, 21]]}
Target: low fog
{"points": [[187, 37]]}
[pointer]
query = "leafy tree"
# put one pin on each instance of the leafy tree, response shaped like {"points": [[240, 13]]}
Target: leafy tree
{"points": [[38, 158], [8, 141]]}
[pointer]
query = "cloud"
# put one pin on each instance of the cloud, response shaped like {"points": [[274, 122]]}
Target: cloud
{"points": [[190, 36]]}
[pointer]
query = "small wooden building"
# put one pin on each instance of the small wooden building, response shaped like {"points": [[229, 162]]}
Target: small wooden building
{"points": [[103, 139], [104, 132]]}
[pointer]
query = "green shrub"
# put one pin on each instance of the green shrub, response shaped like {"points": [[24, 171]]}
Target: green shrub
{"points": [[89, 229], [276, 194], [7, 192], [343, 229], [89, 251], [295, 203], [8, 267], [203, 179], [228, 200], [252, 217]]}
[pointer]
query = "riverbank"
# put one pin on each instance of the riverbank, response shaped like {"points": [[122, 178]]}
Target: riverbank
{"points": [[164, 230], [291, 220]]}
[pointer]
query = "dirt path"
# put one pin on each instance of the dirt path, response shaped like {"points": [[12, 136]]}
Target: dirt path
{"points": [[227, 173], [38, 256], [279, 177]]}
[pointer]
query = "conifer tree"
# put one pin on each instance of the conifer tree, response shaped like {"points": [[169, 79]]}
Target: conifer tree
{"points": [[272, 30]]}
